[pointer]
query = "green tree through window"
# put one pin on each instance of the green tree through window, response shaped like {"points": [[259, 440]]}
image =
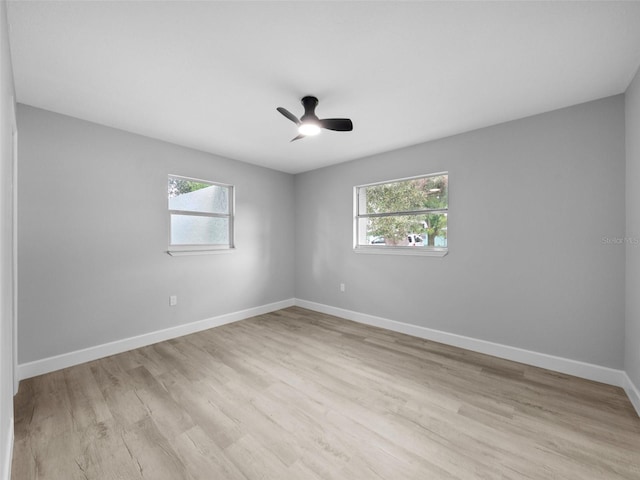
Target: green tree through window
{"points": [[178, 186], [397, 212]]}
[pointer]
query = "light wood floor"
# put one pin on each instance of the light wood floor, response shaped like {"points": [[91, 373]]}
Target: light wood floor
{"points": [[300, 395]]}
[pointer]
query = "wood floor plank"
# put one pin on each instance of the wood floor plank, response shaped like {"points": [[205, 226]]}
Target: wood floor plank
{"points": [[296, 394], [205, 459]]}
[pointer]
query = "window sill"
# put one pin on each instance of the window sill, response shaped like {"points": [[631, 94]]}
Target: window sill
{"points": [[204, 251], [419, 251]]}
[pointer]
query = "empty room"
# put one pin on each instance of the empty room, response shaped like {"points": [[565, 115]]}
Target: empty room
{"points": [[305, 240]]}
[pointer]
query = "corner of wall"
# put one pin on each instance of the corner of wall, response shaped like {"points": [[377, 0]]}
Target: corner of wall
{"points": [[632, 245], [7, 125], [7, 455]]}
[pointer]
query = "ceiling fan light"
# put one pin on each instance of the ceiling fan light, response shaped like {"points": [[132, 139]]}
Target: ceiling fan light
{"points": [[308, 129]]}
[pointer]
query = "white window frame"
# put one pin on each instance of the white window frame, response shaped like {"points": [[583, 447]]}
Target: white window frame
{"points": [[200, 249], [359, 247]]}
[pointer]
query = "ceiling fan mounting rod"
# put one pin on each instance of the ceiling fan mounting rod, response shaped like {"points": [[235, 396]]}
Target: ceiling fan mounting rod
{"points": [[309, 103]]}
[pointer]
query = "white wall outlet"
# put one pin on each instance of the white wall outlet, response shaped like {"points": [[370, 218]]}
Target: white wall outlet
{"points": [[343, 288], [173, 300]]}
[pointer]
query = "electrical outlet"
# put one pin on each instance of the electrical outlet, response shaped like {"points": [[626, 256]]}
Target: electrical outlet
{"points": [[173, 300], [342, 287]]}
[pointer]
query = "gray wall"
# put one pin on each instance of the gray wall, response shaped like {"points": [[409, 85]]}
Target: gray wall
{"points": [[632, 338], [7, 125], [530, 204], [93, 232]]}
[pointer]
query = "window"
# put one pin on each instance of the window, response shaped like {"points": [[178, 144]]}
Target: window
{"points": [[200, 215], [405, 216]]}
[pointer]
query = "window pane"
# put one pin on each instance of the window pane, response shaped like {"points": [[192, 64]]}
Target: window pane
{"points": [[423, 230], [404, 196], [198, 230], [194, 196]]}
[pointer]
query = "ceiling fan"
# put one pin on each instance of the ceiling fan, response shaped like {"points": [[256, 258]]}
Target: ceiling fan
{"points": [[309, 124]]}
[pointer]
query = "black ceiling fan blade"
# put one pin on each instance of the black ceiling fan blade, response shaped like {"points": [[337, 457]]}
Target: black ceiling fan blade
{"points": [[289, 115], [297, 138], [337, 124]]}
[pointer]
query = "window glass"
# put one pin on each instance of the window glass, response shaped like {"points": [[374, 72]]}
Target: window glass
{"points": [[197, 230], [200, 213], [197, 196], [401, 213], [406, 230]]}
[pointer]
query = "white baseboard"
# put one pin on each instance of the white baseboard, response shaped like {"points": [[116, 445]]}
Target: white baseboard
{"points": [[589, 371], [632, 392], [50, 364], [7, 455], [597, 373]]}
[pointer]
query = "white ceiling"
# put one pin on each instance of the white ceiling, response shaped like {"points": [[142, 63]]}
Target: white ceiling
{"points": [[210, 74]]}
